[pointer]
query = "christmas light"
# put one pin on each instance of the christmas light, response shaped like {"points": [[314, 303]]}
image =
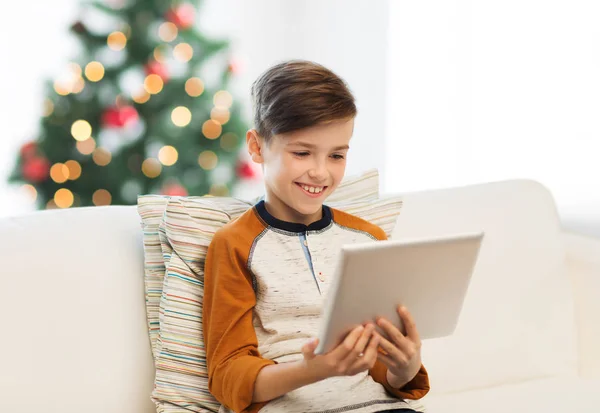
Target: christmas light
{"points": [[141, 97], [48, 108], [223, 99], [160, 53], [181, 116], [101, 157], [87, 146], [167, 32], [63, 198], [101, 197], [81, 130], [194, 87], [168, 155], [153, 84], [75, 70], [116, 41], [30, 192], [59, 173], [220, 115], [94, 71], [229, 141], [74, 169], [61, 89], [78, 85], [183, 52], [151, 168], [208, 160], [51, 204], [212, 129]]}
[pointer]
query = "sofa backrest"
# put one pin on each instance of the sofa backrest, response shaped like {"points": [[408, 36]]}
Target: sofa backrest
{"points": [[517, 321], [74, 334]]}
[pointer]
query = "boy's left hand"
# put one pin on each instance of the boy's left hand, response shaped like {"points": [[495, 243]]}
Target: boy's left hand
{"points": [[403, 359]]}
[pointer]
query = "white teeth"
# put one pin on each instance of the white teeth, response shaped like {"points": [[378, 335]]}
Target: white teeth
{"points": [[312, 189]]}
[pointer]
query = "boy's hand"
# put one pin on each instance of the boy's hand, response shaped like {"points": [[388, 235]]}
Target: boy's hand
{"points": [[402, 352], [357, 353]]}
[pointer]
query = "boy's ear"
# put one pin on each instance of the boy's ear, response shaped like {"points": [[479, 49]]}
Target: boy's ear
{"points": [[254, 143]]}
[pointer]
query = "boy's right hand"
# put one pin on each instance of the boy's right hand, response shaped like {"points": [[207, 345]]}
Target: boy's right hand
{"points": [[357, 353]]}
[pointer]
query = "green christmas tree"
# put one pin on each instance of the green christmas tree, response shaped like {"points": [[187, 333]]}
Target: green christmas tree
{"points": [[134, 113]]}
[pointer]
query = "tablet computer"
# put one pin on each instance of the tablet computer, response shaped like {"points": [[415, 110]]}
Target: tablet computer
{"points": [[429, 277]]}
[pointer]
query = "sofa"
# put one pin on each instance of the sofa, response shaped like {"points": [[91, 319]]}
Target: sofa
{"points": [[75, 338]]}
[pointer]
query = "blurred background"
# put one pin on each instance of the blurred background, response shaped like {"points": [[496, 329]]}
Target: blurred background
{"points": [[100, 102]]}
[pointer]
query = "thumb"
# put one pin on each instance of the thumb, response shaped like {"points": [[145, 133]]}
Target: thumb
{"points": [[309, 348]]}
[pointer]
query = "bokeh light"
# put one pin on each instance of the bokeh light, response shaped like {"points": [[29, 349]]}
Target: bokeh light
{"points": [[223, 99], [229, 141], [183, 52], [81, 130], [101, 197], [218, 190], [212, 129], [63, 198], [59, 172], [168, 155], [141, 97], [30, 192], [153, 84], [87, 146], [167, 32], [102, 157], [220, 115], [208, 160], [181, 116], [151, 168], [74, 169], [94, 71], [48, 108], [194, 87], [117, 41]]}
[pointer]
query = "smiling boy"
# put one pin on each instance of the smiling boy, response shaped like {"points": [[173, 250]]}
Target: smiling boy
{"points": [[267, 272]]}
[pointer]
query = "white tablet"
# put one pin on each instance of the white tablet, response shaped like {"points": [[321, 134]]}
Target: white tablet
{"points": [[428, 276]]}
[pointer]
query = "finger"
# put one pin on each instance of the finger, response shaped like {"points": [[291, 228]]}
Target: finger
{"points": [[342, 350], [393, 352], [361, 343], [394, 335], [409, 324], [369, 357], [308, 349]]}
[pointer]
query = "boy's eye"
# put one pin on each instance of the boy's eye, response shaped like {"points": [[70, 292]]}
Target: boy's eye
{"points": [[337, 156], [301, 154]]}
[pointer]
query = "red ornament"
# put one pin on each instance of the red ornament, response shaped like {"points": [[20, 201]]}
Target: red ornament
{"points": [[182, 16], [28, 150], [174, 190], [157, 68], [36, 169], [246, 170], [234, 67], [118, 117]]}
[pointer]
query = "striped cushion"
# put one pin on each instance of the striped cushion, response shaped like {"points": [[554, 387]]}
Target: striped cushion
{"points": [[152, 207]]}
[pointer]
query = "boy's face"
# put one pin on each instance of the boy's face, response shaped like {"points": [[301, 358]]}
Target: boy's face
{"points": [[302, 168]]}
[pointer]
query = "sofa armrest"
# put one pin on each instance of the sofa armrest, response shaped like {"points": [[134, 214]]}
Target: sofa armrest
{"points": [[583, 260]]}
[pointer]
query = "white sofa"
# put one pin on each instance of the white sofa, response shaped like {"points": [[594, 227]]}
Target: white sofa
{"points": [[74, 335]]}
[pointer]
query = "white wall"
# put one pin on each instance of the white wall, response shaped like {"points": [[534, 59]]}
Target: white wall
{"points": [[263, 32], [488, 90]]}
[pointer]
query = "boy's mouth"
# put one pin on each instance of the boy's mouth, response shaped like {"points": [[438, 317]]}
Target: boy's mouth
{"points": [[310, 190]]}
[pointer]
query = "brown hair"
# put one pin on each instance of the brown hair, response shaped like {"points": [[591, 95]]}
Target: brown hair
{"points": [[298, 94]]}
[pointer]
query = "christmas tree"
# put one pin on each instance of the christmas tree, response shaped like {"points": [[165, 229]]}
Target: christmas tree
{"points": [[137, 112]]}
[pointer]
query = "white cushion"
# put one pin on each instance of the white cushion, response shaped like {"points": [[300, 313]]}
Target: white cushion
{"points": [[74, 336], [556, 395], [517, 322]]}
